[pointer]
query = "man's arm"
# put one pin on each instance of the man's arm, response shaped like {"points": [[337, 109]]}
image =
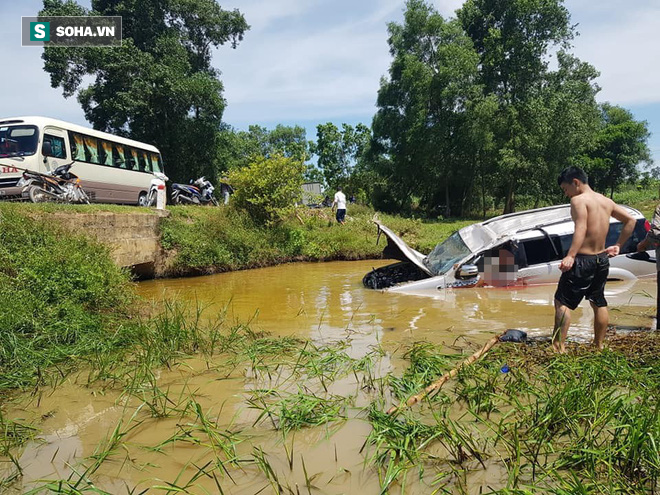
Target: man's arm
{"points": [[628, 226], [579, 216]]}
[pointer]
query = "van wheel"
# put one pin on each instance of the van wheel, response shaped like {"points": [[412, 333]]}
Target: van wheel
{"points": [[142, 200]]}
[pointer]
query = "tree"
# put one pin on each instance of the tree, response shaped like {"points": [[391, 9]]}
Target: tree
{"points": [[238, 148], [512, 39], [420, 147], [621, 144], [339, 150], [159, 86]]}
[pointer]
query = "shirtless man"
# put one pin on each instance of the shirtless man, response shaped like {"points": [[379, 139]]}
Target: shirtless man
{"points": [[586, 265]]}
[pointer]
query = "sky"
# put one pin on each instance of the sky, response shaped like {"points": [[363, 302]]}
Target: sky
{"points": [[308, 62]]}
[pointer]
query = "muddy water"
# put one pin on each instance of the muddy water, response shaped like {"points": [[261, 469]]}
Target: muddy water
{"points": [[324, 302]]}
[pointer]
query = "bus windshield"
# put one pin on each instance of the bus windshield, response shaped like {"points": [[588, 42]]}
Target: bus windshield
{"points": [[18, 140]]}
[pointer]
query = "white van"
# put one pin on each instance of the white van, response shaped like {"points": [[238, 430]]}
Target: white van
{"points": [[517, 249]]}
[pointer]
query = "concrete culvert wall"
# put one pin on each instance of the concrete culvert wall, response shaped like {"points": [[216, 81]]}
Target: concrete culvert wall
{"points": [[134, 238]]}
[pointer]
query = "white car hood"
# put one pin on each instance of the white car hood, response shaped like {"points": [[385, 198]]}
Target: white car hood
{"points": [[395, 242]]}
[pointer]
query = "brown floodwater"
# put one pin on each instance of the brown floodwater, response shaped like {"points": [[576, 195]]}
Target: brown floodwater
{"points": [[323, 302]]}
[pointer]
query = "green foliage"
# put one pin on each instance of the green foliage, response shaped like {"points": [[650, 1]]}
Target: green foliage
{"points": [[60, 297], [620, 145], [236, 149], [471, 115], [339, 151], [159, 86], [267, 186]]}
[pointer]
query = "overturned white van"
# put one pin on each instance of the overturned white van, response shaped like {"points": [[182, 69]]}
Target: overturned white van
{"points": [[517, 249]]}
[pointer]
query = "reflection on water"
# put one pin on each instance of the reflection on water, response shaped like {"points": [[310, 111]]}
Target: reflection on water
{"points": [[320, 301]]}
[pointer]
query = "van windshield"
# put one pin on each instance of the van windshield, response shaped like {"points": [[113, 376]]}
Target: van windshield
{"points": [[18, 140], [446, 254]]}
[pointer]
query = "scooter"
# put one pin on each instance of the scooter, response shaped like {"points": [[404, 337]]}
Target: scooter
{"points": [[199, 192], [60, 185], [157, 183]]}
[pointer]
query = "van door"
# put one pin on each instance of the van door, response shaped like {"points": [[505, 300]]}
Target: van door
{"points": [[541, 256]]}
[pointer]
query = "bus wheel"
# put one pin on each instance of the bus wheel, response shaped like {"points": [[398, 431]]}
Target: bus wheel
{"points": [[142, 200]]}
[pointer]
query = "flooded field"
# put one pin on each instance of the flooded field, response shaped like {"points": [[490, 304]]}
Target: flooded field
{"points": [[217, 425]]}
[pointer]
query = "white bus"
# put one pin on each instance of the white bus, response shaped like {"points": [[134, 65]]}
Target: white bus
{"points": [[111, 169]]}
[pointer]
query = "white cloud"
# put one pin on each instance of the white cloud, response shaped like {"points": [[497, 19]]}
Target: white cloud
{"points": [[623, 43]]}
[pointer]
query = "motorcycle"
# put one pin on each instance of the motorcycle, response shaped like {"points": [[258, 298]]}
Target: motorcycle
{"points": [[157, 183], [60, 185], [199, 192]]}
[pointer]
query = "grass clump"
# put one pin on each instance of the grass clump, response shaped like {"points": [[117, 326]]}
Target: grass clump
{"points": [[61, 297], [586, 422]]}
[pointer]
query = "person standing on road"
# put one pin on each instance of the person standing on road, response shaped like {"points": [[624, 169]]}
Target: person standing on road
{"points": [[340, 203], [586, 265]]}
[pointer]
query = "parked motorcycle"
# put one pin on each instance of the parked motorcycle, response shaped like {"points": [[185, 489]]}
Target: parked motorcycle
{"points": [[199, 192], [157, 183], [59, 185]]}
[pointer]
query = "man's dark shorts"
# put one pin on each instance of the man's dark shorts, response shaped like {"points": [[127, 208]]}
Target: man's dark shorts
{"points": [[585, 279], [341, 214]]}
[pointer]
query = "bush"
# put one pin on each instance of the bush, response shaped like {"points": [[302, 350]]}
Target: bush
{"points": [[61, 296], [267, 186]]}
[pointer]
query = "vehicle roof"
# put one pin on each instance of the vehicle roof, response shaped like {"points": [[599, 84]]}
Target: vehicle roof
{"points": [[47, 121], [480, 235]]}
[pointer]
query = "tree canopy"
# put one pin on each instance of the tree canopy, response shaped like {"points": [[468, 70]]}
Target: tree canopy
{"points": [[159, 86], [471, 114]]}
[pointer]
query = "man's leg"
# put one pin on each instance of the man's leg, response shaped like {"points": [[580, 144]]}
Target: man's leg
{"points": [[562, 322], [601, 319]]}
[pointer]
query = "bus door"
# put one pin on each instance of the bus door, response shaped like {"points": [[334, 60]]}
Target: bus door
{"points": [[57, 155]]}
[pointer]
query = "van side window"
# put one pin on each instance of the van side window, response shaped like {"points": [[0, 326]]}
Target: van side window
{"points": [[156, 162], [638, 234], [56, 145], [142, 162], [540, 251]]}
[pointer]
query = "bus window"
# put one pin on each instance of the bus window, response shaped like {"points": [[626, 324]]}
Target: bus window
{"points": [[77, 147], [91, 149], [145, 166], [56, 146], [132, 159], [119, 156], [106, 153], [155, 162]]}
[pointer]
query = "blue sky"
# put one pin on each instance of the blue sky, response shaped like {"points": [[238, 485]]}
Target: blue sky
{"points": [[308, 62]]}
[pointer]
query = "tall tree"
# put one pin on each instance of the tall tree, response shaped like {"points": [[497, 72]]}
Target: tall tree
{"points": [[621, 144], [338, 150], [159, 86], [513, 39], [420, 148]]}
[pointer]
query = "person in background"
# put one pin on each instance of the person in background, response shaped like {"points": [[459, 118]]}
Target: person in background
{"points": [[225, 189], [340, 203], [586, 264]]}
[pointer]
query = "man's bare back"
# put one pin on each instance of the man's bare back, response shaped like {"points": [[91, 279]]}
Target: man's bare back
{"points": [[591, 214], [597, 210]]}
